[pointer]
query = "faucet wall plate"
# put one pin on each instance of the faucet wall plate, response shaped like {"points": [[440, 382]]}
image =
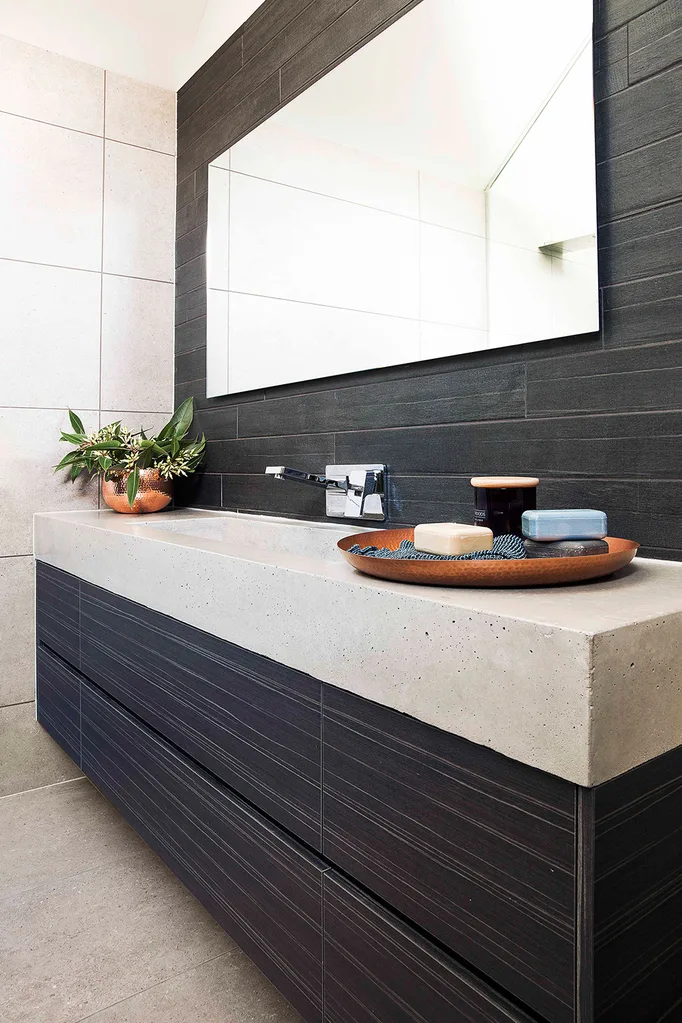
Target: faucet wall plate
{"points": [[336, 501]]}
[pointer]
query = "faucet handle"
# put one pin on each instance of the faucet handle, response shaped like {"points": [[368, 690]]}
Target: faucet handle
{"points": [[363, 485]]}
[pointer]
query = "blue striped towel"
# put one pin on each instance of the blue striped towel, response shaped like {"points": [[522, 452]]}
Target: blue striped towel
{"points": [[505, 548]]}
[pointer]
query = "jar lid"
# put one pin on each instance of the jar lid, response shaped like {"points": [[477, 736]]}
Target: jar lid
{"points": [[504, 481]]}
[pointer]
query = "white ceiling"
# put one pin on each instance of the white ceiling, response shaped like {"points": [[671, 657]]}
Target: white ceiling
{"points": [[157, 41]]}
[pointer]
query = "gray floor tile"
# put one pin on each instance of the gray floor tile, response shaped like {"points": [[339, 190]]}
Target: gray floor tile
{"points": [[227, 990], [29, 758], [73, 947], [59, 830]]}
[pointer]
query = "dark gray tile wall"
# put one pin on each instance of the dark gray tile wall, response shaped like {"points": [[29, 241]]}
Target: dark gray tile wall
{"points": [[597, 416]]}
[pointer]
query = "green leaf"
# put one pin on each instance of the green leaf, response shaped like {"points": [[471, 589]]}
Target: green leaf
{"points": [[76, 470], [133, 486], [73, 438], [180, 421], [105, 445], [76, 423], [146, 458], [72, 458]]}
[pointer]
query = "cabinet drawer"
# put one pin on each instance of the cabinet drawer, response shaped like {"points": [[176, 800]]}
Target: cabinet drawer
{"points": [[57, 622], [378, 970], [58, 701], [474, 848], [253, 723], [263, 888]]}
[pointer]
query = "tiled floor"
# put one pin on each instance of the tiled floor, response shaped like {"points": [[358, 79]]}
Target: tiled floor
{"points": [[94, 927]]}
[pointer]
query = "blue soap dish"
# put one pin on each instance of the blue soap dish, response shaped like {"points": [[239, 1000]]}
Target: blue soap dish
{"points": [[564, 524]]}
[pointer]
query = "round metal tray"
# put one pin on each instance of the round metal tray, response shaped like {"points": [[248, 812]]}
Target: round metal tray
{"points": [[522, 572]]}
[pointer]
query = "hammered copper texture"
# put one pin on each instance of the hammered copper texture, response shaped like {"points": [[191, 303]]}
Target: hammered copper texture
{"points": [[522, 572], [154, 493]]}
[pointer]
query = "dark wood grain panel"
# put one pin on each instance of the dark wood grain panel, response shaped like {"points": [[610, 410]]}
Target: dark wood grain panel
{"points": [[638, 893], [609, 14], [263, 888], [646, 113], [645, 245], [225, 62], [192, 364], [252, 722], [306, 451], [469, 394], [638, 444], [655, 40], [378, 970], [642, 178], [476, 849], [638, 378], [57, 610], [658, 23], [189, 337], [637, 194], [58, 701]]}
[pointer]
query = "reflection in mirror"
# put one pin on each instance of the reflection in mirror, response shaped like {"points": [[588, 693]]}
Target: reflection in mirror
{"points": [[434, 194]]}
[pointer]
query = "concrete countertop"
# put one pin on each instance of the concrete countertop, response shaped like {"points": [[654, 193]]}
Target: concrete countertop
{"points": [[583, 681]]}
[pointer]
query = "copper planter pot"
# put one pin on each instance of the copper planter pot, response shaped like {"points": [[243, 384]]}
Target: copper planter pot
{"points": [[154, 492]]}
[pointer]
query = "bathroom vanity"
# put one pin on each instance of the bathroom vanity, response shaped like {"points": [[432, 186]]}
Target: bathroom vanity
{"points": [[404, 803]]}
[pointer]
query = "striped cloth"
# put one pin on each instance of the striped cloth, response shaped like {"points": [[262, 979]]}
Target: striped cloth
{"points": [[505, 548]]}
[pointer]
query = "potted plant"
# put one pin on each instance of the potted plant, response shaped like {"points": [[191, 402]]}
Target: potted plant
{"points": [[136, 471]]}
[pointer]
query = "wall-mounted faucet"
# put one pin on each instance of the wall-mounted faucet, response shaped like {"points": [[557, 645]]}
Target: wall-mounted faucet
{"points": [[352, 491]]}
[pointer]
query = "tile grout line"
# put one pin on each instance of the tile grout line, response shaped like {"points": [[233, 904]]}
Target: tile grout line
{"points": [[40, 788], [88, 134], [81, 269], [121, 1001]]}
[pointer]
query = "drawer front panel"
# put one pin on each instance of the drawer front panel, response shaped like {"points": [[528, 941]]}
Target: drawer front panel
{"points": [[263, 888], [253, 723], [58, 701], [57, 623], [378, 970], [476, 849]]}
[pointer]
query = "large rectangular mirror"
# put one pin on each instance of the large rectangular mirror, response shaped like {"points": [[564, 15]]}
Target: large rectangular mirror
{"points": [[434, 194]]}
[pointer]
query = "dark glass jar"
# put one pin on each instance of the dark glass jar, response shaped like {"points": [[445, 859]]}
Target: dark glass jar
{"points": [[500, 501]]}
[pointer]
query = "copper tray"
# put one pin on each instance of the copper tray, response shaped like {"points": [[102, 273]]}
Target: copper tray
{"points": [[523, 572]]}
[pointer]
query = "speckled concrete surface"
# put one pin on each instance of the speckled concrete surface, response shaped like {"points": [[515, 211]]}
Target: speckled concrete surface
{"points": [[531, 673], [95, 927]]}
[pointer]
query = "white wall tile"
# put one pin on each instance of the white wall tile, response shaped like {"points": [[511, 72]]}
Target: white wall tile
{"points": [[217, 235], [140, 114], [150, 422], [48, 87], [137, 344], [449, 204], [453, 277], [439, 340], [295, 341], [29, 441], [297, 245], [49, 336], [279, 152], [50, 194], [139, 214], [16, 630]]}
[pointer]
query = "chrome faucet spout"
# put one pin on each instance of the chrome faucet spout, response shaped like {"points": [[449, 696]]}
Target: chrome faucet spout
{"points": [[311, 479], [352, 491]]}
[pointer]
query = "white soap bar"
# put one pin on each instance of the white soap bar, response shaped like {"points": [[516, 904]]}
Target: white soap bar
{"points": [[452, 538]]}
